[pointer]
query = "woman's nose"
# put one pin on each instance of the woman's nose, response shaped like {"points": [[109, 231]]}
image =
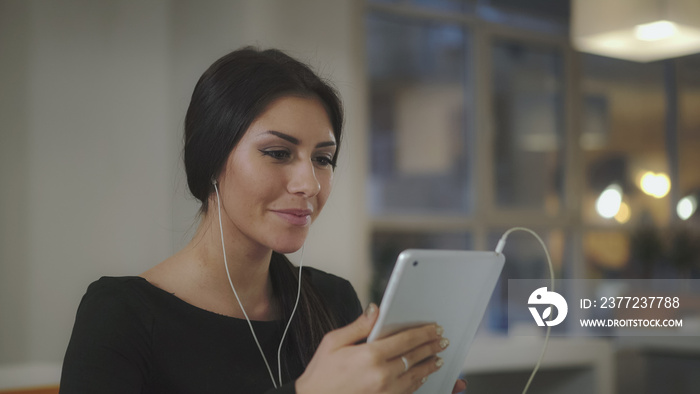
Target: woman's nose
{"points": [[303, 180]]}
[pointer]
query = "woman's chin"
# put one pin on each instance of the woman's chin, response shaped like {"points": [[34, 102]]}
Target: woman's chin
{"points": [[288, 247], [289, 242]]}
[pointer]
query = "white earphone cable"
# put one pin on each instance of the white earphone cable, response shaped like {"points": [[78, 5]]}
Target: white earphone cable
{"points": [[228, 274], [499, 248], [279, 350]]}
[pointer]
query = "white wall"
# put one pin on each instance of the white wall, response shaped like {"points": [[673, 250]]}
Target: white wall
{"points": [[14, 48], [92, 99]]}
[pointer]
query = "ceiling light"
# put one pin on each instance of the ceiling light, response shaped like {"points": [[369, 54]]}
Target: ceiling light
{"points": [[655, 31], [636, 30]]}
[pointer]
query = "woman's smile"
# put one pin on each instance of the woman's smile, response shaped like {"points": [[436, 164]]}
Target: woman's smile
{"points": [[296, 217]]}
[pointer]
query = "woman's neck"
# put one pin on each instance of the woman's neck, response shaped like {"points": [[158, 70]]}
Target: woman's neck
{"points": [[198, 273]]}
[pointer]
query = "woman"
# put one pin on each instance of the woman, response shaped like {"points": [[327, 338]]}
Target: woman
{"points": [[262, 134]]}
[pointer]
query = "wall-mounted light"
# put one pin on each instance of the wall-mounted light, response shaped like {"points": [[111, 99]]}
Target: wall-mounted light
{"points": [[655, 185], [638, 30], [686, 207], [623, 214], [609, 201]]}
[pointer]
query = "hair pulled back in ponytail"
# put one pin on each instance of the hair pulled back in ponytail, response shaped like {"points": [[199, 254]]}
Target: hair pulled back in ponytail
{"points": [[228, 97]]}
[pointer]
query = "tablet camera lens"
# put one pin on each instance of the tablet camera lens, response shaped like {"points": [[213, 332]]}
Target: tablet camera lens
{"points": [[415, 263]]}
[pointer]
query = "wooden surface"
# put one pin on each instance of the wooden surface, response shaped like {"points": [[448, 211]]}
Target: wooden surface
{"points": [[35, 390]]}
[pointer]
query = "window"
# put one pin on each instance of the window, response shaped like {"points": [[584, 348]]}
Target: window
{"points": [[529, 126], [689, 137], [482, 117], [420, 112]]}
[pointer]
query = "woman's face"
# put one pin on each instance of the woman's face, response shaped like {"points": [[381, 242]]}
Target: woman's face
{"points": [[278, 177]]}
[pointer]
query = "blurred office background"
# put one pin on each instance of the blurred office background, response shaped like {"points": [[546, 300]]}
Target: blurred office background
{"points": [[464, 118]]}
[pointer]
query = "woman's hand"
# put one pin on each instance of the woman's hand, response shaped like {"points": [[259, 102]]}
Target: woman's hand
{"points": [[340, 365], [460, 386]]}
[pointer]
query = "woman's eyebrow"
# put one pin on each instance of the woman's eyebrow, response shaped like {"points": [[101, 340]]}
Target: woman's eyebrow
{"points": [[296, 141]]}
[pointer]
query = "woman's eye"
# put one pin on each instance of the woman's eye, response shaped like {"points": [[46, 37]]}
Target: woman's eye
{"points": [[276, 154], [325, 161]]}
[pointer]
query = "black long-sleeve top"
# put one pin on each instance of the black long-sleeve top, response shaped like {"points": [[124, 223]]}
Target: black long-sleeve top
{"points": [[132, 337]]}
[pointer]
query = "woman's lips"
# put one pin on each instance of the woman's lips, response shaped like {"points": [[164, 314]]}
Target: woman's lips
{"points": [[296, 217]]}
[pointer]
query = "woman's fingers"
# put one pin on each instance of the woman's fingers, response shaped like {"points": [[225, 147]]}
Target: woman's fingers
{"points": [[419, 362], [376, 367], [353, 332], [399, 344], [418, 375], [460, 386], [421, 353]]}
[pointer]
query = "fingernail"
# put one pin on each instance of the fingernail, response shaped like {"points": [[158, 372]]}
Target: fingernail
{"points": [[439, 362], [425, 379], [444, 342], [371, 310], [439, 330]]}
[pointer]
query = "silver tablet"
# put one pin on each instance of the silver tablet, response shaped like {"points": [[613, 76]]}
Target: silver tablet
{"points": [[451, 288]]}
